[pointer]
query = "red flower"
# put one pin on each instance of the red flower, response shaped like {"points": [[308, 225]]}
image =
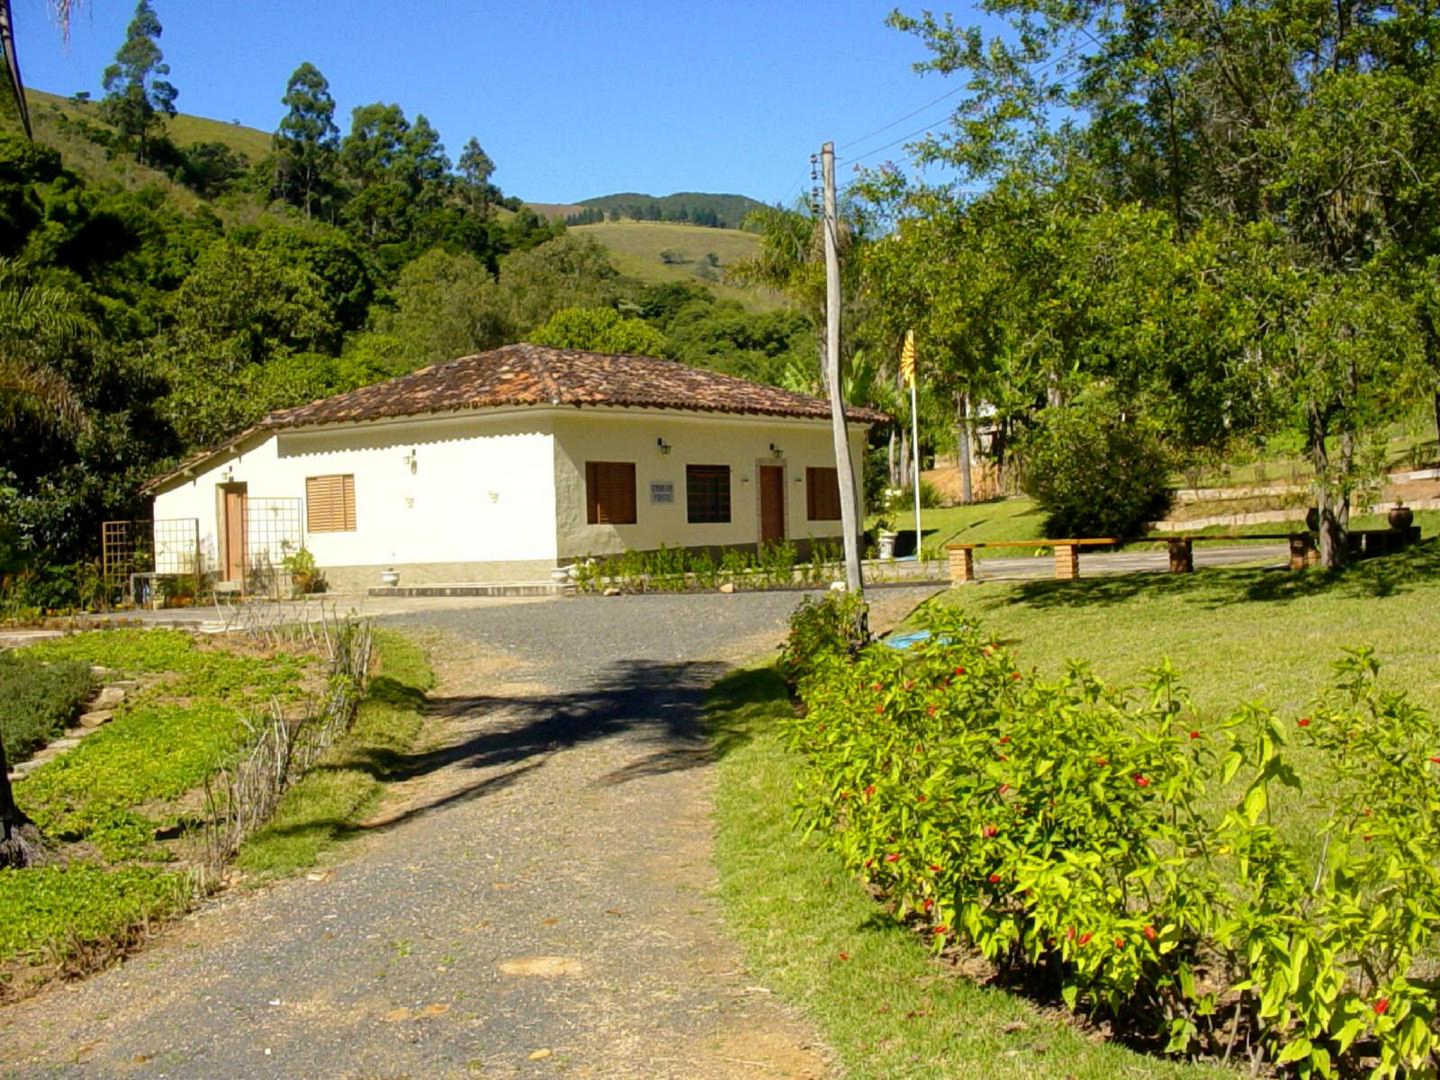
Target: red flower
{"points": [[941, 929], [1304, 721], [894, 856], [1004, 739], [1382, 1006], [959, 671], [869, 863], [1004, 788], [875, 686], [909, 684], [1102, 761], [869, 790], [990, 830], [994, 879], [844, 956], [1085, 937], [928, 904], [1195, 735], [1149, 932], [880, 708], [1141, 781], [1070, 933], [1435, 760], [1014, 676], [931, 710], [1119, 943], [919, 798], [934, 869]]}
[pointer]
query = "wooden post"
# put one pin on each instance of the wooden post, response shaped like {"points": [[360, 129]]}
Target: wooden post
{"points": [[1067, 562], [1182, 555], [962, 565], [1303, 552]]}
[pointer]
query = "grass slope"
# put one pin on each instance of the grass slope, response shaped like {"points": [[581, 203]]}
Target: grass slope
{"points": [[884, 1006], [635, 248], [183, 129]]}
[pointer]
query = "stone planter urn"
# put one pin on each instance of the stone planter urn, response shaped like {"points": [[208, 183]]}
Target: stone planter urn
{"points": [[885, 541], [1400, 516], [390, 577], [560, 575]]}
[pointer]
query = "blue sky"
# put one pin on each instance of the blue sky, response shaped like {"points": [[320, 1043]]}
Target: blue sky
{"points": [[570, 99]]}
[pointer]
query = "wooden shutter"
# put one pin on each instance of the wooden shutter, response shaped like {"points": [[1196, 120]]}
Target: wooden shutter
{"points": [[707, 493], [330, 503], [610, 492], [822, 494]]}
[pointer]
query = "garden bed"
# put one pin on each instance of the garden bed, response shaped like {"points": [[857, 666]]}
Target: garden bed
{"points": [[141, 812]]}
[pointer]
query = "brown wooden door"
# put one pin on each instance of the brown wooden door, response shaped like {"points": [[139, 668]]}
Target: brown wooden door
{"points": [[772, 504], [235, 532]]}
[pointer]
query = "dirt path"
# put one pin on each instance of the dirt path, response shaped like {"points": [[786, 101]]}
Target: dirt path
{"points": [[536, 895]]}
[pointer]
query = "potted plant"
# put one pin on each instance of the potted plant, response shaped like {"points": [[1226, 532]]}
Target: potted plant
{"points": [[305, 576], [885, 536], [390, 577], [1400, 516]]}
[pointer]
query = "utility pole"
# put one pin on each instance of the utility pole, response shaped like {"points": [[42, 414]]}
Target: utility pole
{"points": [[844, 467]]}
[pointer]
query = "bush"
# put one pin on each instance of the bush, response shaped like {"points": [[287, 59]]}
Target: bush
{"points": [[1100, 845], [832, 626], [37, 700], [1095, 471]]}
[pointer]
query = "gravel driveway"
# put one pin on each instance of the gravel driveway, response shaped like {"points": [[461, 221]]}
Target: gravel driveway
{"points": [[535, 896]]}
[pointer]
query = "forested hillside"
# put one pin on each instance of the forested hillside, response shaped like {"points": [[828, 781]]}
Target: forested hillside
{"points": [[165, 281], [685, 207]]}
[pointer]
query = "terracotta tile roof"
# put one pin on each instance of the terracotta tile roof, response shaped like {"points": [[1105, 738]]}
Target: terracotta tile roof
{"points": [[538, 375]]}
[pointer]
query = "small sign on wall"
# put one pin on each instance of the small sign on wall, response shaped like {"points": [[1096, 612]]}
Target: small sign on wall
{"points": [[662, 492]]}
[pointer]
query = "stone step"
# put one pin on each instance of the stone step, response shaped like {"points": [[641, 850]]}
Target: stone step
{"points": [[96, 717]]}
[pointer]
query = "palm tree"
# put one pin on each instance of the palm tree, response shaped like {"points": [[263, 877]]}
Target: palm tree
{"points": [[62, 10]]}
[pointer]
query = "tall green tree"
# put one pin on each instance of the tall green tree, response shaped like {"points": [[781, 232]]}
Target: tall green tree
{"points": [[307, 142], [476, 168], [136, 94], [36, 325]]}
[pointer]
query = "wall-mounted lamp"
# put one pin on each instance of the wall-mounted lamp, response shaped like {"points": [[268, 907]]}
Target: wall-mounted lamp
{"points": [[776, 452], [410, 459], [663, 446], [229, 473]]}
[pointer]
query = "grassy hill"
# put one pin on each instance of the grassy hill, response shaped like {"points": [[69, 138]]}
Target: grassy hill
{"points": [[660, 251]]}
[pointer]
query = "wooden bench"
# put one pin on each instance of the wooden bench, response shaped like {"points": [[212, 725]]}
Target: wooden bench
{"points": [[1067, 552], [1067, 555]]}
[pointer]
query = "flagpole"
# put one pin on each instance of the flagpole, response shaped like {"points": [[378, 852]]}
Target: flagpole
{"points": [[915, 445]]}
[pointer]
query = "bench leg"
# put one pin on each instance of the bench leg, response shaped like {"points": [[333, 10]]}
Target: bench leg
{"points": [[1182, 556], [962, 566], [1302, 551], [1067, 562]]}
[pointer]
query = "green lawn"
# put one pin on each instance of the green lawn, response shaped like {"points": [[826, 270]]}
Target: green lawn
{"points": [[1233, 634]]}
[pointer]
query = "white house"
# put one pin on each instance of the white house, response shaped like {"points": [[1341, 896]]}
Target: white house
{"points": [[504, 465]]}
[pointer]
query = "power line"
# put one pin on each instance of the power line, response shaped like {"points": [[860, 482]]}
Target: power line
{"points": [[901, 120]]}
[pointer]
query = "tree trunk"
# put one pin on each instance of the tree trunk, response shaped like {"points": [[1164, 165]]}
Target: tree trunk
{"points": [[893, 473], [19, 839], [962, 437], [1437, 427], [1334, 513], [904, 460]]}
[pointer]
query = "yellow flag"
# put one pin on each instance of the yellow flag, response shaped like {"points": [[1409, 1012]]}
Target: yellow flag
{"points": [[907, 358]]}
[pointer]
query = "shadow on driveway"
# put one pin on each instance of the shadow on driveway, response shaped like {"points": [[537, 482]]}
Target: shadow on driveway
{"points": [[655, 705]]}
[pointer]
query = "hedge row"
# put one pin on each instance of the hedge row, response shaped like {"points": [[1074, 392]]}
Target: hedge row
{"points": [[1104, 844], [37, 700]]}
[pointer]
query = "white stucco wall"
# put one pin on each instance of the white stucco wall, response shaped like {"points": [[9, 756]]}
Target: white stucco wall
{"points": [[742, 443], [482, 489]]}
